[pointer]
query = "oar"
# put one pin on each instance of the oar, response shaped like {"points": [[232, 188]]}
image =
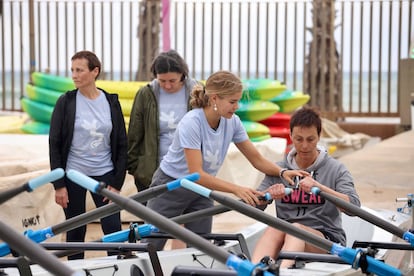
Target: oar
{"points": [[243, 267], [357, 211], [349, 255], [72, 223], [310, 257], [32, 184], [140, 231], [145, 230], [35, 252]]}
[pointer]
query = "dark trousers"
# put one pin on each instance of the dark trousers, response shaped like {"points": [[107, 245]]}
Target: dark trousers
{"points": [[76, 206]]}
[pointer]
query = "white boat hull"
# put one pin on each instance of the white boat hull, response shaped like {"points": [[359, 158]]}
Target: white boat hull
{"points": [[356, 229]]}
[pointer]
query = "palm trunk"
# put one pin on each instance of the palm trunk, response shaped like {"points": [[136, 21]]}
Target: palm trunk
{"points": [[323, 76], [148, 36]]}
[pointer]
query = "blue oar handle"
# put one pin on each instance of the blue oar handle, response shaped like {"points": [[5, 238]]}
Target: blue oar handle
{"points": [[315, 190], [140, 231], [352, 257], [201, 190], [177, 183], [36, 236], [93, 185], [46, 178], [268, 197], [83, 180]]}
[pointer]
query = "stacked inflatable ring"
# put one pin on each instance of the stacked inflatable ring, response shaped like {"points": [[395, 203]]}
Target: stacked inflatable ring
{"points": [[263, 108]]}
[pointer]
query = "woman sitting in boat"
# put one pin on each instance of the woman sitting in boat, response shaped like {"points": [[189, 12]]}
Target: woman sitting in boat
{"points": [[302, 208], [200, 145]]}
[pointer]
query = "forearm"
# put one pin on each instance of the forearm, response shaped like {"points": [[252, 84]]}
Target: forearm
{"points": [[216, 184], [328, 190], [267, 167]]}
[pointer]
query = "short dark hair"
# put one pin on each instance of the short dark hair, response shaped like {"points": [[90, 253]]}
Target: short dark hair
{"points": [[306, 117], [167, 62], [93, 60]]}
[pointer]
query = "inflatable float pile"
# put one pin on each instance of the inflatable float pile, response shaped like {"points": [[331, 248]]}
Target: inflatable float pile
{"points": [[265, 108], [45, 89], [262, 102]]}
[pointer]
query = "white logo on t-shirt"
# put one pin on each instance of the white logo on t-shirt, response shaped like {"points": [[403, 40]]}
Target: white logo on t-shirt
{"points": [[212, 159]]}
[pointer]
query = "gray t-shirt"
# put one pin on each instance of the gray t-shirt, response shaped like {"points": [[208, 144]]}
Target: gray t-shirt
{"points": [[90, 151], [194, 132], [172, 107]]}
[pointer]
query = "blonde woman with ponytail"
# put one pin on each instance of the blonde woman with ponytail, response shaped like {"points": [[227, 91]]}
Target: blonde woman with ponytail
{"points": [[200, 144]]}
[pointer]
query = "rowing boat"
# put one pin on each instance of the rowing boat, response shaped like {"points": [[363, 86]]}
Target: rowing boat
{"points": [[373, 228], [307, 264]]}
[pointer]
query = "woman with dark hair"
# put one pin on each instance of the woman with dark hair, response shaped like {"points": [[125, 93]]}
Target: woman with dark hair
{"points": [[87, 134], [156, 111], [301, 208]]}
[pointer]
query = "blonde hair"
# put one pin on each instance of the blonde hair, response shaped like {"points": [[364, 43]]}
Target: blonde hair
{"points": [[221, 83]]}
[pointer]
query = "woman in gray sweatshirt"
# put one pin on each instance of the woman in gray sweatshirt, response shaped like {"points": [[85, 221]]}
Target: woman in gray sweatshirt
{"points": [[301, 208]]}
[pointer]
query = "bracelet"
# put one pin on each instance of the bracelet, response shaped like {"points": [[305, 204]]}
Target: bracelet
{"points": [[282, 171]]}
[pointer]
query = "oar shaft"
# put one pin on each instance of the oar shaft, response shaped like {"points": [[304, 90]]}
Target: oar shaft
{"points": [[357, 211], [313, 257], [167, 225], [218, 209], [347, 254], [275, 222], [106, 210], [10, 193], [34, 251], [32, 184]]}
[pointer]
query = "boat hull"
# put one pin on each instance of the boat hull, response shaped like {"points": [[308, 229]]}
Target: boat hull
{"points": [[356, 229]]}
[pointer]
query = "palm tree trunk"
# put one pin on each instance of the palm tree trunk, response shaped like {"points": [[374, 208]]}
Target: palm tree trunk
{"points": [[323, 73], [148, 36]]}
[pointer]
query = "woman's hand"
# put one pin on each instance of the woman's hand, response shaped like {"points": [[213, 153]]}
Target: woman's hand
{"points": [[277, 191], [289, 175], [248, 195], [61, 197], [307, 183], [112, 189]]}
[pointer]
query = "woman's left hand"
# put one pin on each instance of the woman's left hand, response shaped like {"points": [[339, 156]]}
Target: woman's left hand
{"points": [[289, 175], [112, 189]]}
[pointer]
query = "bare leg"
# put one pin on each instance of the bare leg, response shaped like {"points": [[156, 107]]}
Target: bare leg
{"points": [[269, 244], [294, 244], [178, 244]]}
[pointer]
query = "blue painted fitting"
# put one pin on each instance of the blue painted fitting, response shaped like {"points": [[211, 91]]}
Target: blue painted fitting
{"points": [[39, 235]]}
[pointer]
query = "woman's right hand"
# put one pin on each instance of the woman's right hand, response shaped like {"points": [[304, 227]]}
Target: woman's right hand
{"points": [[61, 197], [289, 175], [277, 191], [248, 195]]}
